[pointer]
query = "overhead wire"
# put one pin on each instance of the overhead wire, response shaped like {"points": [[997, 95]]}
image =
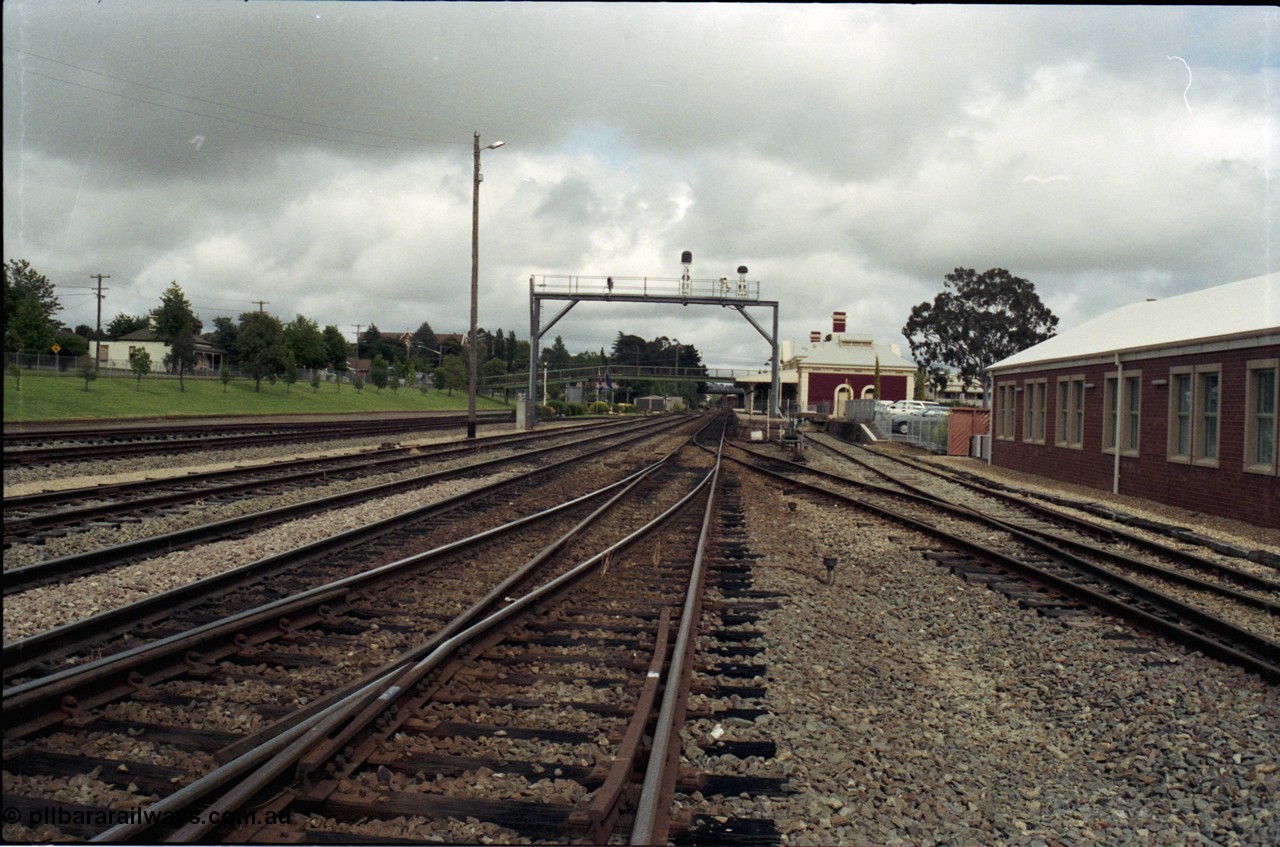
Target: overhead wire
{"points": [[268, 115]]}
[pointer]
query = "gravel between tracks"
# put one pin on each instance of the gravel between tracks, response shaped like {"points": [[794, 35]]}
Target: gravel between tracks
{"points": [[912, 708]]}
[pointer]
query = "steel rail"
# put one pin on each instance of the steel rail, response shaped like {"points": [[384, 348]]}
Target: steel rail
{"points": [[38, 696], [362, 459], [1082, 525], [1263, 661], [1022, 499], [41, 455], [51, 570], [652, 815], [354, 711]]}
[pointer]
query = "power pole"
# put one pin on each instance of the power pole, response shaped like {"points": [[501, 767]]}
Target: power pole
{"points": [[97, 342], [260, 303]]}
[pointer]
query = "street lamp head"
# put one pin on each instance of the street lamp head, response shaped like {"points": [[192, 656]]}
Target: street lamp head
{"points": [[495, 145]]}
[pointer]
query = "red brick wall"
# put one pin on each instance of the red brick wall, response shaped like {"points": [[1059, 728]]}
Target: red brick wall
{"points": [[822, 386], [1225, 490]]}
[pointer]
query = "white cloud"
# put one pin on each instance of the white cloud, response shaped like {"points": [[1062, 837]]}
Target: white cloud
{"points": [[850, 155]]}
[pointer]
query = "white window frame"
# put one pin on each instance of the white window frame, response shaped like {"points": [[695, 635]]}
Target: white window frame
{"points": [[1199, 414], [1253, 417], [1035, 394], [1007, 400], [1070, 412], [1122, 413]]}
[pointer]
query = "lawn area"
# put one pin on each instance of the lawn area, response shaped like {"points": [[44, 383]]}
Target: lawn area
{"points": [[45, 397]]}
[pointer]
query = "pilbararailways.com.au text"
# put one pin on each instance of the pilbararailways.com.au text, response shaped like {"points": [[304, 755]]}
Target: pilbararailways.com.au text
{"points": [[59, 816]]}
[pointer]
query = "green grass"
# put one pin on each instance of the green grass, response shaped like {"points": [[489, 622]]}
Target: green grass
{"points": [[47, 397]]}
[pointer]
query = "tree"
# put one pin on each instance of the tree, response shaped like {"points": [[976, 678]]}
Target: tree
{"points": [[336, 349], [977, 320], [262, 347], [140, 364], [425, 338], [290, 368], [177, 325], [513, 351], [29, 307], [123, 324], [72, 344], [305, 339], [557, 355], [367, 344], [225, 335], [379, 372], [451, 374], [87, 372]]}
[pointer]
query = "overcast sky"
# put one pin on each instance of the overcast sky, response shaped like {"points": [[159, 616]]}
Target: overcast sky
{"points": [[318, 156]]}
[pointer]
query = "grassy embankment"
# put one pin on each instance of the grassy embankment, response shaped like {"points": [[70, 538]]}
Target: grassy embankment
{"points": [[47, 397]]}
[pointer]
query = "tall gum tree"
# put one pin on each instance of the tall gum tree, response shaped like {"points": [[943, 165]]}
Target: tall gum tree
{"points": [[977, 320]]}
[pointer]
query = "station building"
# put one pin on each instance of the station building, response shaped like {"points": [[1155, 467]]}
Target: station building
{"points": [[819, 378], [1171, 400]]}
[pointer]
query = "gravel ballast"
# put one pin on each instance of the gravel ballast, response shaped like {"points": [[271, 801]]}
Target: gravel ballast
{"points": [[910, 707], [913, 708]]}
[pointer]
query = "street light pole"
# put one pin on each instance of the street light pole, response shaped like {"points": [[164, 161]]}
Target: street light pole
{"points": [[472, 368]]}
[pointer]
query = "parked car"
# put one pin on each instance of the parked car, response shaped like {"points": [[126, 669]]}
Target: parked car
{"points": [[902, 422], [901, 406]]}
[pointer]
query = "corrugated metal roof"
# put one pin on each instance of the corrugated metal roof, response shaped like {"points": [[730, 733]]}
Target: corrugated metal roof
{"points": [[1235, 309]]}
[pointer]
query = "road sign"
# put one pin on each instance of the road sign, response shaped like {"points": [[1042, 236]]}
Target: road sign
{"points": [[57, 348]]}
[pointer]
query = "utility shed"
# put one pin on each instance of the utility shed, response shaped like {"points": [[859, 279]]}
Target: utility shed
{"points": [[1172, 400]]}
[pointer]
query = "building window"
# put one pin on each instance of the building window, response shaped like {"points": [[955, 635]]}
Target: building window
{"points": [[1180, 414], [1006, 398], [1034, 396], [1261, 440], [1132, 411], [1070, 412], [1195, 405], [1209, 389], [1122, 397]]}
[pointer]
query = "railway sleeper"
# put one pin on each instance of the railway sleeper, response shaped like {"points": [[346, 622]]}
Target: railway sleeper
{"points": [[452, 729], [706, 830], [690, 780], [530, 819], [147, 777], [741, 749], [204, 740], [424, 765]]}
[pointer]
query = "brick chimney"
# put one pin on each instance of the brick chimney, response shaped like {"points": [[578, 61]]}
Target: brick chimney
{"points": [[815, 337], [837, 321]]}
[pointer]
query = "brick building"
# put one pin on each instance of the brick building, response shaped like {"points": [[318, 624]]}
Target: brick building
{"points": [[834, 368], [1172, 400]]}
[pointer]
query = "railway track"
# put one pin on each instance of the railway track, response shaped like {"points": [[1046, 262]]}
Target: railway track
{"points": [[198, 528], [57, 445], [1058, 568], [492, 500], [527, 714], [22, 510], [35, 518]]}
